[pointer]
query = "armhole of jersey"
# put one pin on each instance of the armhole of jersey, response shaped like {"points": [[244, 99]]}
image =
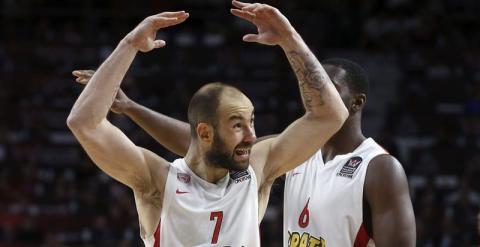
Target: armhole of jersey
{"points": [[169, 192], [254, 176], [154, 239], [255, 188]]}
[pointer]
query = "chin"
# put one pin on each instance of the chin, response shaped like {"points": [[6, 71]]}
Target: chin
{"points": [[240, 166]]}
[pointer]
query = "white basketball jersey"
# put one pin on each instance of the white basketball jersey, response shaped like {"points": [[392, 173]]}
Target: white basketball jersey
{"points": [[324, 201], [198, 213]]}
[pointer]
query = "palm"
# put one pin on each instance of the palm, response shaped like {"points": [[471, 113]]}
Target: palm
{"points": [[268, 35], [143, 37]]}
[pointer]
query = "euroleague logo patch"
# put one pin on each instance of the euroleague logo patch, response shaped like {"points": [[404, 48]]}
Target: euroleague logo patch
{"points": [[183, 177], [350, 167]]}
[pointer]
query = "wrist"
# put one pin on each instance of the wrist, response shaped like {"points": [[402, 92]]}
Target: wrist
{"points": [[129, 107], [127, 43], [291, 41]]}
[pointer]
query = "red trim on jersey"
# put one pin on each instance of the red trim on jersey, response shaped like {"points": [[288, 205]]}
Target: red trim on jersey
{"points": [[156, 235], [362, 238]]}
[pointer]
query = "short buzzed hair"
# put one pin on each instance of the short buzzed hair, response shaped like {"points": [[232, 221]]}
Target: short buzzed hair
{"points": [[204, 104], [355, 77]]}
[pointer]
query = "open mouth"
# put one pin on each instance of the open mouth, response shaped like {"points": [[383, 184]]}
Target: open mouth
{"points": [[242, 154]]}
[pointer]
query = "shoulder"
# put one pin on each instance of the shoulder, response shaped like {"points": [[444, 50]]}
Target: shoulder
{"points": [[385, 174], [258, 158], [384, 164]]}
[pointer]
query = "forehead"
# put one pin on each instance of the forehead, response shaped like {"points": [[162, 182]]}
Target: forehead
{"points": [[234, 103], [336, 74]]}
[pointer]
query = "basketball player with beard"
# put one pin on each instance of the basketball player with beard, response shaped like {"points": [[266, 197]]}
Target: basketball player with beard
{"points": [[195, 201], [350, 193]]}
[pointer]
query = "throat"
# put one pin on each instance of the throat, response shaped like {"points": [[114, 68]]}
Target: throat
{"points": [[205, 171], [339, 145]]}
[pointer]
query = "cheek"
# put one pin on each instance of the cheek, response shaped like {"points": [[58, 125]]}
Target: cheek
{"points": [[346, 100]]}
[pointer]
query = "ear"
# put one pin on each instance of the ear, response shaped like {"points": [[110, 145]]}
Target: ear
{"points": [[358, 102], [205, 132]]}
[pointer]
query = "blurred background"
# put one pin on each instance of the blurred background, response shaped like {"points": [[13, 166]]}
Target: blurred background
{"points": [[424, 106]]}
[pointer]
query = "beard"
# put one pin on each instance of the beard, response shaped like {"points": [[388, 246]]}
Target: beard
{"points": [[219, 156]]}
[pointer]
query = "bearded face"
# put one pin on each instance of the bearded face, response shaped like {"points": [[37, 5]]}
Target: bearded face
{"points": [[233, 159]]}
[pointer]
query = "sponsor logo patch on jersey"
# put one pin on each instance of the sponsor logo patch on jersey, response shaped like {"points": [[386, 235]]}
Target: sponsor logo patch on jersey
{"points": [[350, 167], [240, 176], [183, 177], [299, 239]]}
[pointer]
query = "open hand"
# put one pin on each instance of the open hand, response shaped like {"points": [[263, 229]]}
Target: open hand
{"points": [[143, 36], [273, 27]]}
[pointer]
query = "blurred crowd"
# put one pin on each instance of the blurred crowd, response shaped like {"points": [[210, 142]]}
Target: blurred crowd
{"points": [[424, 105]]}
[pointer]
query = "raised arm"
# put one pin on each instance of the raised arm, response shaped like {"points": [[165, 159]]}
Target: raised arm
{"points": [[108, 147], [387, 195], [325, 111], [171, 133]]}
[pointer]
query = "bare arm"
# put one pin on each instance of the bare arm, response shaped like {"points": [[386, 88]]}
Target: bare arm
{"points": [[169, 132], [386, 192], [173, 134], [108, 147], [325, 111]]}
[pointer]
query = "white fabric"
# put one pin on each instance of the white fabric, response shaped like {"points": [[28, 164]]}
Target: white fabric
{"points": [[335, 200], [192, 208]]}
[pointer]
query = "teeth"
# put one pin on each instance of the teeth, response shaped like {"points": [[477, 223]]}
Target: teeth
{"points": [[243, 150]]}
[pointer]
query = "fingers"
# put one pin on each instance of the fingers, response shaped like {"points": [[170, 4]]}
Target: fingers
{"points": [[239, 4], [253, 7], [172, 14], [82, 80], [247, 6], [83, 76], [251, 38], [243, 14], [252, 11], [172, 18], [159, 43], [83, 72]]}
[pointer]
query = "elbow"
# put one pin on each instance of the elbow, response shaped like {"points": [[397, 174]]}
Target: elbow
{"points": [[341, 115], [335, 116], [77, 124], [73, 122]]}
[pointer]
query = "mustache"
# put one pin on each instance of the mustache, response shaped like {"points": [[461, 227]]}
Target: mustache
{"points": [[244, 145]]}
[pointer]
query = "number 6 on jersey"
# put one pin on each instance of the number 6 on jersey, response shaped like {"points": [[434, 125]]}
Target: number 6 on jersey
{"points": [[218, 216]]}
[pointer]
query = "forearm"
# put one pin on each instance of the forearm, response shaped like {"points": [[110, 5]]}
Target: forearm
{"points": [[318, 93], [169, 132], [96, 99]]}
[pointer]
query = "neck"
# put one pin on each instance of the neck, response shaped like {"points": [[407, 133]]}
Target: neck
{"points": [[346, 140], [196, 162]]}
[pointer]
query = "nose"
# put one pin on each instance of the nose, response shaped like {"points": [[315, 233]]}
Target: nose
{"points": [[250, 134]]}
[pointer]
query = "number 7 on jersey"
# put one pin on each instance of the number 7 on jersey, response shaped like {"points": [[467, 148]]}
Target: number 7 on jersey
{"points": [[218, 216]]}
